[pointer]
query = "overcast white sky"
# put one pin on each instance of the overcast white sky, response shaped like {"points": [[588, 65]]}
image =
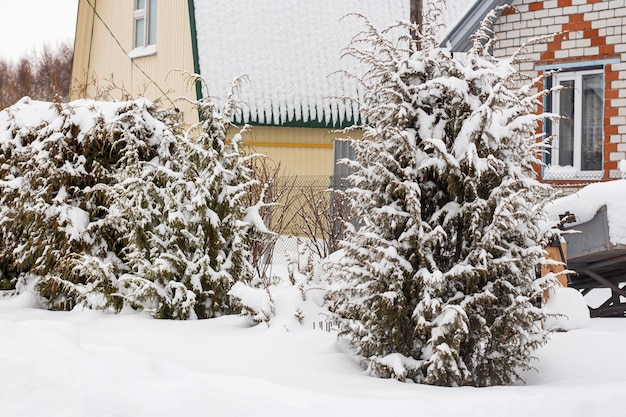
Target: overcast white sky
{"points": [[25, 25]]}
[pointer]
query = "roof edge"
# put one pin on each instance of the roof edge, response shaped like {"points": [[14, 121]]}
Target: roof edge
{"points": [[459, 38], [278, 121], [194, 46]]}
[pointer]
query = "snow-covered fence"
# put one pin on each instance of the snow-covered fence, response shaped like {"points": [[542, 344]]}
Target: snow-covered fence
{"points": [[327, 325], [308, 215]]}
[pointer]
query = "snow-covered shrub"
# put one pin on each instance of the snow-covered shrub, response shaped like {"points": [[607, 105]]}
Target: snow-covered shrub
{"points": [[57, 165], [257, 303], [187, 222], [438, 283], [111, 204]]}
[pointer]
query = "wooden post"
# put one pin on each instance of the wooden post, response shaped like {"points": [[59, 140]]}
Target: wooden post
{"points": [[415, 15], [416, 12], [557, 252]]}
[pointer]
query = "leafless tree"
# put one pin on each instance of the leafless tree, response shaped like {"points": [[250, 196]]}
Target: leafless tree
{"points": [[276, 189], [323, 216], [43, 75]]}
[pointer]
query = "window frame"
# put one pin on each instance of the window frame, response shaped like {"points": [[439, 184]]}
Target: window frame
{"points": [[576, 172], [143, 43], [342, 149]]}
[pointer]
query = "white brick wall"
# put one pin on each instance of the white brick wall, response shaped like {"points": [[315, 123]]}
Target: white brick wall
{"points": [[605, 14], [620, 103], [604, 5]]}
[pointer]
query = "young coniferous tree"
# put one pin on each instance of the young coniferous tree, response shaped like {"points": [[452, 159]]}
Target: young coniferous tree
{"points": [[437, 284], [189, 235]]}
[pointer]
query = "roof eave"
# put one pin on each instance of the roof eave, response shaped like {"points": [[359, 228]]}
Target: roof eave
{"points": [[459, 38]]}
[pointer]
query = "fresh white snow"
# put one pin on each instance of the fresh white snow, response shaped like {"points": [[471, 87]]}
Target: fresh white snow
{"points": [[29, 114], [566, 309], [88, 363], [586, 202]]}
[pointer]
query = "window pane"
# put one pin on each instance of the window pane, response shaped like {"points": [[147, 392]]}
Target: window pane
{"points": [[566, 125], [343, 150], [153, 22], [140, 27], [592, 123], [140, 4]]}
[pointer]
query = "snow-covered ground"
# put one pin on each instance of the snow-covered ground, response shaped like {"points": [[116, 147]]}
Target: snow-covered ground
{"points": [[87, 363]]}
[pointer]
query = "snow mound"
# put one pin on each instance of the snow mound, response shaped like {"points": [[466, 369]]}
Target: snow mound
{"points": [[567, 310]]}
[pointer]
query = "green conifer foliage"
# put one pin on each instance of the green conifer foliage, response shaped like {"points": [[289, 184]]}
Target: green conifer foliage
{"points": [[438, 281], [189, 243], [58, 163], [107, 205]]}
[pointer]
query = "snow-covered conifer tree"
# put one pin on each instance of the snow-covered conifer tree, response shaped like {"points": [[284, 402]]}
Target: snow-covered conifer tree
{"points": [[189, 238], [58, 164], [437, 284], [107, 205]]}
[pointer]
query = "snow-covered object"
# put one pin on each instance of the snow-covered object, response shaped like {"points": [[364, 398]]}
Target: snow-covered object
{"points": [[322, 268], [442, 267], [58, 162], [586, 202], [291, 52], [109, 205], [186, 215], [257, 302], [566, 309]]}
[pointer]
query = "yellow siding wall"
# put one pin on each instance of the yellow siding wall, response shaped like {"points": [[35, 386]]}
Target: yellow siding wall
{"points": [[99, 61], [301, 151]]}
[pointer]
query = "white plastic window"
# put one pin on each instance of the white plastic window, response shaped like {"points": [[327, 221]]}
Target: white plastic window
{"points": [[145, 26], [578, 136]]}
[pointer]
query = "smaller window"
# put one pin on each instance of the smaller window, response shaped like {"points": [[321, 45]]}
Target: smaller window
{"points": [[145, 23]]}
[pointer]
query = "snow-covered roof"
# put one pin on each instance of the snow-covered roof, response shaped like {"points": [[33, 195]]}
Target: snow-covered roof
{"points": [[290, 50], [586, 202]]}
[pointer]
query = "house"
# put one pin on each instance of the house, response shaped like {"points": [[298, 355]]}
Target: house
{"points": [[587, 58], [289, 50]]}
